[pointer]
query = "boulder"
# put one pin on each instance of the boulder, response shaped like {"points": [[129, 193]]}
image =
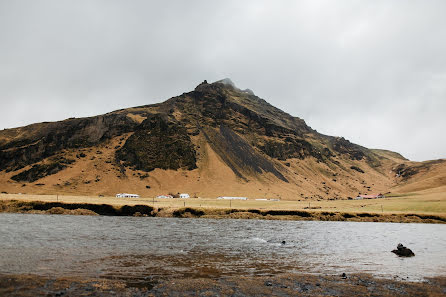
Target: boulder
{"points": [[403, 251]]}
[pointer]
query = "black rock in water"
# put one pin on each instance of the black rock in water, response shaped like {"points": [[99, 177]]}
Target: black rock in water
{"points": [[403, 251]]}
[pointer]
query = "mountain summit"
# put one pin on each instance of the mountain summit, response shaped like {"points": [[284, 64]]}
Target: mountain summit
{"points": [[216, 140]]}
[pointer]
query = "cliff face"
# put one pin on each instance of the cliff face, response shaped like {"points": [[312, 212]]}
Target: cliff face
{"points": [[158, 143], [215, 140], [28, 145]]}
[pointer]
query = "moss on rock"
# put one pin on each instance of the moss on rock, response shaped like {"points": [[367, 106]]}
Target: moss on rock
{"points": [[158, 143]]}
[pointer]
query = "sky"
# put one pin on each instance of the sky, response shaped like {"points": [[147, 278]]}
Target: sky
{"points": [[372, 71]]}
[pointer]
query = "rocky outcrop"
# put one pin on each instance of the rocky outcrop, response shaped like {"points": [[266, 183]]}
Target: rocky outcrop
{"points": [[31, 144], [291, 148], [343, 146], [238, 154], [403, 251], [406, 171], [158, 142], [39, 171], [356, 168]]}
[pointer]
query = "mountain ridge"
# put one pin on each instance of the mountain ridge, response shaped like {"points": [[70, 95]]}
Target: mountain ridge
{"points": [[212, 140]]}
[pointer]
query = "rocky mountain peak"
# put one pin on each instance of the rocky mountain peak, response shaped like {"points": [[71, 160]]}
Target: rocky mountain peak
{"points": [[227, 81], [216, 123]]}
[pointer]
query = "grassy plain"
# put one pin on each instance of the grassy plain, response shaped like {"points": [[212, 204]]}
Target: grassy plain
{"points": [[426, 203]]}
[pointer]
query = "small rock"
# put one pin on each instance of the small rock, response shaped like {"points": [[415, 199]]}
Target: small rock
{"points": [[268, 284], [403, 251]]}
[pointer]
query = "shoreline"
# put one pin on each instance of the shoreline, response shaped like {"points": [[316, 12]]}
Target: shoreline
{"points": [[139, 210], [291, 284]]}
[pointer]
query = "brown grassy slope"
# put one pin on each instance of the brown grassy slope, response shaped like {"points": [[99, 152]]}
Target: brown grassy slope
{"points": [[92, 175], [428, 176], [417, 178], [394, 156]]}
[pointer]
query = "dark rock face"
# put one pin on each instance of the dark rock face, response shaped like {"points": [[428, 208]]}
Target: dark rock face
{"points": [[353, 151], [291, 148], [343, 146], [405, 171], [223, 105], [219, 103], [238, 154], [38, 171], [356, 168], [158, 142], [34, 143], [403, 251]]}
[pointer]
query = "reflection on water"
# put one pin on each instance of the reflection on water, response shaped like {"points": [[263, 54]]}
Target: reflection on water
{"points": [[143, 248]]}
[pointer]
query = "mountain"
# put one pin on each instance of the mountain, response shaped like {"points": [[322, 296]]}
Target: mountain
{"points": [[216, 140]]}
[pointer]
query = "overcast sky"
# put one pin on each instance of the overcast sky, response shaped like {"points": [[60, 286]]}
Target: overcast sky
{"points": [[371, 71]]}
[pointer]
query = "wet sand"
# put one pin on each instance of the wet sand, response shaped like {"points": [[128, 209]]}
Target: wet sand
{"points": [[280, 285]]}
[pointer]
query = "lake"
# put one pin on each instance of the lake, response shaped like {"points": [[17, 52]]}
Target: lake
{"points": [[137, 248]]}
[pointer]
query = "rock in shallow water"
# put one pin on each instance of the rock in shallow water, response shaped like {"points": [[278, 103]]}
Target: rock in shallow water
{"points": [[403, 251]]}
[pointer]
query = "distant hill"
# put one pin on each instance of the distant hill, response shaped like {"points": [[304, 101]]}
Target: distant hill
{"points": [[216, 140]]}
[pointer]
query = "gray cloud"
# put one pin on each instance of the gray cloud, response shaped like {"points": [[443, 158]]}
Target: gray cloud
{"points": [[373, 72]]}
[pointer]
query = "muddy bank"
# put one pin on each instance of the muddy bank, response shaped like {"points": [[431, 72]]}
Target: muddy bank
{"points": [[301, 215], [16, 206], [280, 285]]}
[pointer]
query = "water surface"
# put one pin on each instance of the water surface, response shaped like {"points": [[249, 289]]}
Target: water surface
{"points": [[141, 248]]}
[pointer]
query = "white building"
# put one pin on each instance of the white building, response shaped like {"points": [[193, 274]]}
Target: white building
{"points": [[232, 198], [125, 195], [184, 195], [164, 196]]}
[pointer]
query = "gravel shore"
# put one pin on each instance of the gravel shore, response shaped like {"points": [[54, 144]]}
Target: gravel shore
{"points": [[280, 285]]}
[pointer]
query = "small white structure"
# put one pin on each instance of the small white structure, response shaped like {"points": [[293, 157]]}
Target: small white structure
{"points": [[164, 196], [232, 198], [125, 195], [370, 196], [184, 195]]}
